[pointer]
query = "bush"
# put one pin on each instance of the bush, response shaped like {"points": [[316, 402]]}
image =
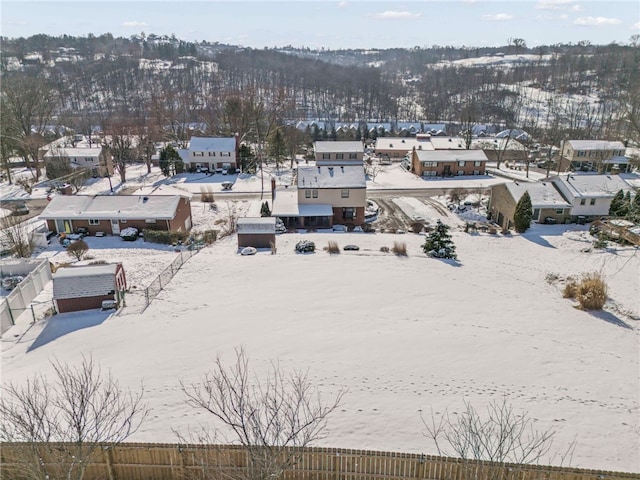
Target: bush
{"points": [[384, 249], [570, 289], [129, 234], [166, 237], [332, 247], [416, 227], [400, 248], [591, 292], [209, 236], [78, 249], [304, 246]]}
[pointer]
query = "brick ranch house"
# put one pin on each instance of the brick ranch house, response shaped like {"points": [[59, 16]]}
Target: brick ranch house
{"points": [[86, 287], [110, 214]]}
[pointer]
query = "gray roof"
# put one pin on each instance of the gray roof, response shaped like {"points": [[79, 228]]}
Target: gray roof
{"points": [[332, 177], [84, 281], [589, 185], [596, 145], [212, 144], [451, 155], [124, 207], [256, 225], [543, 194], [339, 147]]}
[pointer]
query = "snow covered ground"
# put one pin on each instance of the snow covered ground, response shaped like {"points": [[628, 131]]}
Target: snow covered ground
{"points": [[401, 334]]}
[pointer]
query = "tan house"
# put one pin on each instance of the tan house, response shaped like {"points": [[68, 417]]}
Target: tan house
{"points": [[110, 214], [209, 154], [86, 287], [595, 155], [324, 196], [78, 152], [339, 153], [549, 206], [448, 163]]}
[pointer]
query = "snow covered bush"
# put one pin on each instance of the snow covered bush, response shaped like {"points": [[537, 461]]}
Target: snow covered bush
{"points": [[129, 234], [438, 243]]}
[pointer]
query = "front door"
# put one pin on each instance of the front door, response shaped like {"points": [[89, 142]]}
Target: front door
{"points": [[64, 226], [447, 171], [115, 226]]}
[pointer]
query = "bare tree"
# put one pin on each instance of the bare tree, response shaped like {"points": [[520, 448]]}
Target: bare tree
{"points": [[266, 416], [78, 249], [501, 435], [80, 407], [17, 235], [372, 169]]}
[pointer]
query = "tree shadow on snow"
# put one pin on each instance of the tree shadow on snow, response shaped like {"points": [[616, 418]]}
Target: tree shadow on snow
{"points": [[65, 323], [537, 239], [610, 318]]}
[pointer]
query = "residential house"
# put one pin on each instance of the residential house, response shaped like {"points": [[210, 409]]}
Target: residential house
{"points": [[78, 152], [589, 195], [258, 232], [324, 196], [110, 214], [218, 154], [595, 155], [86, 287], [447, 163], [339, 153], [549, 206], [397, 148]]}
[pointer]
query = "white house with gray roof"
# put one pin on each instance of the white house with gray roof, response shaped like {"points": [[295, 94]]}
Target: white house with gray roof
{"points": [[590, 195], [211, 154], [325, 195]]}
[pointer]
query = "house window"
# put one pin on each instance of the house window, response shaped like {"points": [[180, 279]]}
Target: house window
{"points": [[583, 201], [225, 154], [150, 220], [339, 156], [429, 173], [476, 172], [314, 193], [559, 211], [349, 213], [198, 154], [460, 173], [94, 222], [326, 156], [536, 214], [307, 194], [212, 154], [461, 163], [477, 163], [592, 202], [429, 164], [88, 159], [344, 193], [353, 156], [581, 153]]}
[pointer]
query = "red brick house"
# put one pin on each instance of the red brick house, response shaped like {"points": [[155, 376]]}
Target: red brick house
{"points": [[110, 214], [448, 163], [86, 287]]}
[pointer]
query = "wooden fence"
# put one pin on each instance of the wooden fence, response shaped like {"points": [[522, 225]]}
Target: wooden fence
{"points": [[186, 462]]}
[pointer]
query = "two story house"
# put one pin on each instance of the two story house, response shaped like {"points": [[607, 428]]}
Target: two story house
{"points": [[595, 156], [339, 153], [78, 152], [447, 163], [323, 196], [589, 195], [211, 154]]}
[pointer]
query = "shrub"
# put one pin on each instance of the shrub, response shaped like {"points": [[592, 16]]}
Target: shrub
{"points": [[209, 236], [601, 241], [570, 289], [273, 247], [384, 249], [332, 247], [400, 248], [591, 292], [206, 194], [165, 237], [416, 227], [78, 249]]}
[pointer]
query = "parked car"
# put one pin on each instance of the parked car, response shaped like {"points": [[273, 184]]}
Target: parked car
{"points": [[20, 209]]}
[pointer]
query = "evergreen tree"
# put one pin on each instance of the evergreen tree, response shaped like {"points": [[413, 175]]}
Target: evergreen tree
{"points": [[170, 161], [439, 244], [264, 210], [523, 214], [617, 204]]}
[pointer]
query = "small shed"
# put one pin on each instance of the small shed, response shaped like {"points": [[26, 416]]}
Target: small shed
{"points": [[86, 287], [259, 232]]}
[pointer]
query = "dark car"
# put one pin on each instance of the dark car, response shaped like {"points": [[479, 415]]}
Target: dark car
{"points": [[351, 247]]}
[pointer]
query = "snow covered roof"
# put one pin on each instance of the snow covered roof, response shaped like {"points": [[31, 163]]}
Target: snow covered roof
{"points": [[73, 152], [346, 147], [212, 144], [401, 144], [124, 207], [347, 176], [595, 145], [162, 190], [451, 155], [84, 281], [253, 225], [588, 185], [285, 204], [543, 194]]}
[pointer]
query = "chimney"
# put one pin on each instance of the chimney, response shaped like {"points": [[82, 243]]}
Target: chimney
{"points": [[273, 188]]}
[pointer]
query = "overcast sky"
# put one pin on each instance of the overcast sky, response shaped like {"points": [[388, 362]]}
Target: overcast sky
{"points": [[334, 24]]}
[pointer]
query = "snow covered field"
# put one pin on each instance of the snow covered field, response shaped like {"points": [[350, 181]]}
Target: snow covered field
{"points": [[401, 334]]}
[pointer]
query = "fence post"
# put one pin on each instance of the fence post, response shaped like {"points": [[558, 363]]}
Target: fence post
{"points": [[107, 457]]}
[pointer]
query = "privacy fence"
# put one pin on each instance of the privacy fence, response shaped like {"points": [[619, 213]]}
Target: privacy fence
{"points": [[186, 462]]}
